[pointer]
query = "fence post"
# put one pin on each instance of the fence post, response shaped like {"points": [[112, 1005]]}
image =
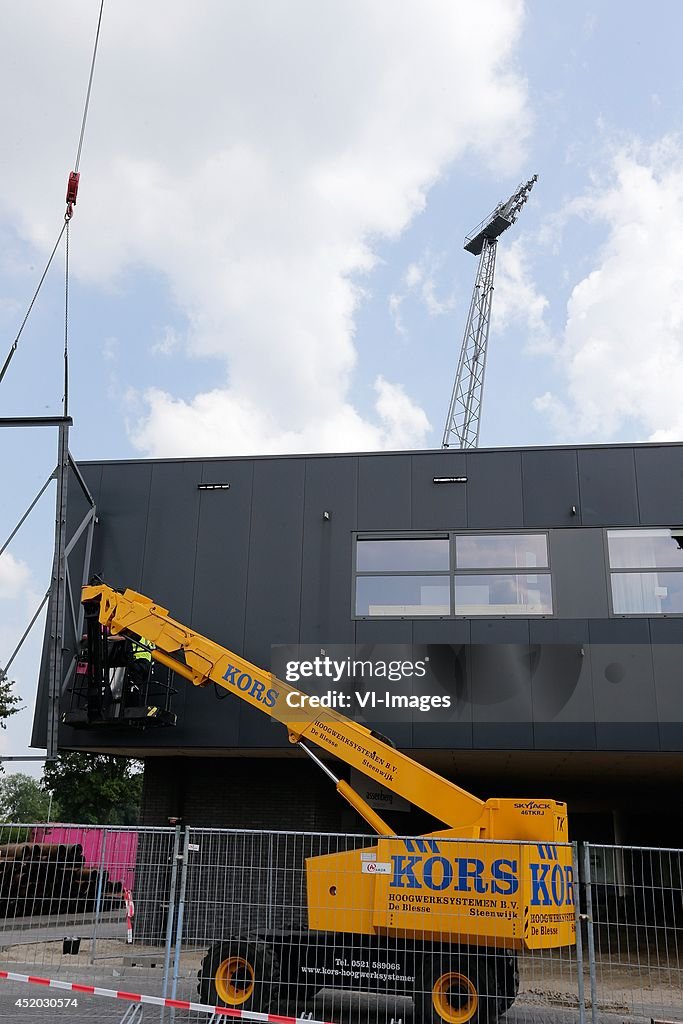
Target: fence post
{"points": [[579, 938], [98, 900], [181, 913], [591, 934], [170, 916]]}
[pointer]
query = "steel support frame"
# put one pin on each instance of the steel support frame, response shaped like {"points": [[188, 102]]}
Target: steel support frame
{"points": [[60, 589], [464, 412]]}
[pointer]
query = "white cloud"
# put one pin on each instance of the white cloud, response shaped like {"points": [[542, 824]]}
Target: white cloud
{"points": [[167, 343], [218, 421], [421, 281], [14, 577], [253, 155], [517, 299], [622, 350]]}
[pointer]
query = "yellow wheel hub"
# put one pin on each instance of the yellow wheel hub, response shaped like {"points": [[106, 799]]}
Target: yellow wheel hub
{"points": [[234, 980], [455, 998]]}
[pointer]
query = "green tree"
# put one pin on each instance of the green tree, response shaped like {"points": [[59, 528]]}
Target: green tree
{"points": [[23, 801], [95, 789], [10, 704]]}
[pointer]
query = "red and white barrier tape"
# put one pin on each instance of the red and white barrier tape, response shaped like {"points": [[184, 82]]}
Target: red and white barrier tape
{"points": [[136, 997]]}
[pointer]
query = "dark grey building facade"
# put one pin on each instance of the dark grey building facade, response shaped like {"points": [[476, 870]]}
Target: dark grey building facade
{"points": [[545, 585]]}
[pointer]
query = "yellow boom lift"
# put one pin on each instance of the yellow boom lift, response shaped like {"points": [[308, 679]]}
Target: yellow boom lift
{"points": [[441, 917]]}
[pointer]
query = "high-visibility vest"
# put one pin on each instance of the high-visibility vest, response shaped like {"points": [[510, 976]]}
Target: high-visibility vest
{"points": [[142, 649]]}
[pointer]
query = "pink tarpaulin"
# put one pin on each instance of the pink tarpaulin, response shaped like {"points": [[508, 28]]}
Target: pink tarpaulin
{"points": [[120, 848]]}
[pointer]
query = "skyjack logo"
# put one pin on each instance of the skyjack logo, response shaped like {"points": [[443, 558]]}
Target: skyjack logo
{"points": [[532, 807]]}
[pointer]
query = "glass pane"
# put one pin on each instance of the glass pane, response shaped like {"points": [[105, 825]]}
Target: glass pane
{"points": [[503, 595], [504, 551], [647, 593], [417, 554], [645, 549], [403, 595]]}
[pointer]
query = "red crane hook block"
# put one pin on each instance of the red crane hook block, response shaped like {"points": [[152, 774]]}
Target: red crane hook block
{"points": [[71, 193]]}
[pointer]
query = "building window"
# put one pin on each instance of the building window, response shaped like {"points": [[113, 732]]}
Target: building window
{"points": [[453, 575], [407, 576], [405, 554], [488, 580], [403, 595], [646, 571]]}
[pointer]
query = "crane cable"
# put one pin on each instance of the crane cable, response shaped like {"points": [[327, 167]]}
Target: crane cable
{"points": [[71, 196]]}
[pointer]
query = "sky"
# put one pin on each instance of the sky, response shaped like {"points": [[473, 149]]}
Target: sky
{"points": [[266, 253]]}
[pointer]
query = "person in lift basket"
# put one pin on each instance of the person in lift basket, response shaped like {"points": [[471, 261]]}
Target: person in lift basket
{"points": [[139, 669]]}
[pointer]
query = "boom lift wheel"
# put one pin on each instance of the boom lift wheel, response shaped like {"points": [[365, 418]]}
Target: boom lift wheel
{"points": [[240, 974], [453, 988], [504, 974]]}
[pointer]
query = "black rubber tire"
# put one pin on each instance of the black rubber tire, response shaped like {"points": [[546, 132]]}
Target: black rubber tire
{"points": [[459, 979], [260, 977], [505, 979]]}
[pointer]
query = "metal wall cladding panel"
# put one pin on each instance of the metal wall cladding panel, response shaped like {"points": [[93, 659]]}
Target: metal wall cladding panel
{"points": [[619, 631], [558, 631], [668, 663], [659, 472], [384, 500], [624, 694], [171, 538], [607, 478], [667, 637], [667, 645], [327, 571], [273, 596], [122, 529], [220, 585], [494, 491], [222, 556], [446, 642], [384, 631], [577, 559], [666, 630], [562, 697], [500, 693], [442, 631], [499, 631], [550, 482], [448, 677], [438, 506]]}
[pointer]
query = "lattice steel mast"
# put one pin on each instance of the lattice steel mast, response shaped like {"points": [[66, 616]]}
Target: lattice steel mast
{"points": [[464, 412]]}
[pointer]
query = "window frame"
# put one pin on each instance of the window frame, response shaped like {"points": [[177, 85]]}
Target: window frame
{"points": [[640, 571], [451, 572]]}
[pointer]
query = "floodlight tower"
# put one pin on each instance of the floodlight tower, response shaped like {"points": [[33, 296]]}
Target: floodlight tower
{"points": [[462, 422]]}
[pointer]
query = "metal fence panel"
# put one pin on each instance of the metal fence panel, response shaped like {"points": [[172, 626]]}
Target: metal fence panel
{"points": [[86, 903], [257, 917], [634, 901], [248, 901]]}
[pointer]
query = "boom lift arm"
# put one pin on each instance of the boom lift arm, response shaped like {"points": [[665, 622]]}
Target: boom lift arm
{"points": [[204, 661]]}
